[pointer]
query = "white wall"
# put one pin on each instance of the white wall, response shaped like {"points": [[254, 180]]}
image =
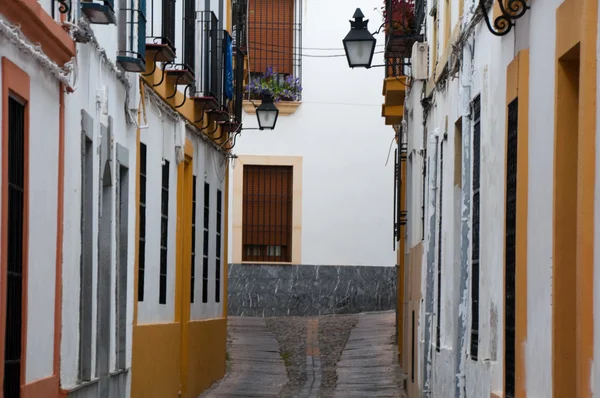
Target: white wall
{"points": [[43, 197], [93, 75], [488, 77], [210, 167], [159, 140], [347, 198], [541, 187]]}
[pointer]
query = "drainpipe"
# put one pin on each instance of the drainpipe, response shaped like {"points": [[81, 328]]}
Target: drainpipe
{"points": [[466, 80], [429, 278]]}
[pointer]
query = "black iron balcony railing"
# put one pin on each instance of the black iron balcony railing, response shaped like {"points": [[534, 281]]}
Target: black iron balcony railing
{"points": [[161, 22], [99, 11], [189, 35], [403, 26], [210, 70], [132, 35], [239, 31], [240, 42]]}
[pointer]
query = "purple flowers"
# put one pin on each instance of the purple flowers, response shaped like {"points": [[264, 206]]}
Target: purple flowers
{"points": [[281, 87]]}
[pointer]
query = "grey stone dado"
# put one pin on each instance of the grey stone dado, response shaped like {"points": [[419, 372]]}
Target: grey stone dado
{"points": [[297, 290]]}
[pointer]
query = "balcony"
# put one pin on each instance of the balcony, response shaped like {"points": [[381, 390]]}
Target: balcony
{"points": [[100, 12], [132, 35], [403, 20]]}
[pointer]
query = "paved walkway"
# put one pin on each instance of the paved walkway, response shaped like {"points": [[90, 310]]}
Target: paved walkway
{"points": [[256, 368], [366, 368]]}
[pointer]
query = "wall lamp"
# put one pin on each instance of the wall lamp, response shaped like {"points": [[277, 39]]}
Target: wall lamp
{"points": [[359, 43], [503, 24], [267, 113]]}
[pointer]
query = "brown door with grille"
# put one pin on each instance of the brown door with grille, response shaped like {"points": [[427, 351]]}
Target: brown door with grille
{"points": [[267, 214], [14, 276]]}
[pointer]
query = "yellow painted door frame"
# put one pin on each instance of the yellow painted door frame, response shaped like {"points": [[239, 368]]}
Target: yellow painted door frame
{"points": [[184, 251]]}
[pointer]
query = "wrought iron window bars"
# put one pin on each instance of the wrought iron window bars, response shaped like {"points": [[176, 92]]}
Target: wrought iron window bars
{"points": [[510, 11], [99, 11], [132, 35]]}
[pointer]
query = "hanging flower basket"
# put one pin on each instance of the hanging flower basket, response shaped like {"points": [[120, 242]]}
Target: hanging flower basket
{"points": [[281, 88], [399, 16]]}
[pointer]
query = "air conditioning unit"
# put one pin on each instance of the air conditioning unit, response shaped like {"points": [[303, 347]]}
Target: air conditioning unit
{"points": [[419, 61]]}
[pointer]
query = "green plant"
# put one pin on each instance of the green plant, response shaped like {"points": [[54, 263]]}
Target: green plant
{"points": [[280, 88], [286, 355], [399, 16]]}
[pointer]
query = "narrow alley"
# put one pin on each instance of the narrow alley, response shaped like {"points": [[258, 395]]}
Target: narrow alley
{"points": [[301, 357]]}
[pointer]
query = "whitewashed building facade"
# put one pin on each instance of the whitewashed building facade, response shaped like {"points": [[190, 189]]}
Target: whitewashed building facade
{"points": [[502, 198]]}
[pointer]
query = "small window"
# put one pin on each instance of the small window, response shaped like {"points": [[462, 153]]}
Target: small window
{"points": [[193, 258], [219, 240], [142, 225], [205, 240], [475, 229], [164, 234], [267, 213]]}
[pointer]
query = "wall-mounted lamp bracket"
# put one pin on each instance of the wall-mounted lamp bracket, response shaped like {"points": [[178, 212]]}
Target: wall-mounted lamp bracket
{"points": [[509, 13]]}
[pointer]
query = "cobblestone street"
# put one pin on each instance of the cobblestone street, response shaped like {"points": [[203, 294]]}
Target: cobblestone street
{"points": [[326, 356]]}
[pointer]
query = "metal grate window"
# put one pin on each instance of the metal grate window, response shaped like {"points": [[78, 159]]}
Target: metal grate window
{"points": [[267, 213], [219, 240], [86, 275], [193, 258], [423, 183], [14, 283], [168, 21], [439, 259], [511, 235], [142, 224], [205, 241], [475, 229], [275, 45], [121, 280], [189, 34], [412, 349], [164, 234]]}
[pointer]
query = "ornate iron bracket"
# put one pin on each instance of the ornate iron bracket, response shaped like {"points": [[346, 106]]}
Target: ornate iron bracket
{"points": [[64, 6], [503, 24]]}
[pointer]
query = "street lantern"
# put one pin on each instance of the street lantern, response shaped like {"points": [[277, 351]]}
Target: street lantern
{"points": [[359, 43], [267, 113]]}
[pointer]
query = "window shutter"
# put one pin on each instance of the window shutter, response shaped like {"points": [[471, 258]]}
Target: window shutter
{"points": [[267, 215], [271, 35]]}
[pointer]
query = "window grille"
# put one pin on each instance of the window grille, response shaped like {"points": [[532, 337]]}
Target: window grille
{"points": [[132, 35], [14, 276], [164, 234], [275, 45], [142, 224], [189, 34], [87, 240], [267, 213], [205, 240], [439, 259], [161, 22], [510, 255], [208, 68], [193, 257], [412, 349], [475, 230], [121, 280], [219, 240]]}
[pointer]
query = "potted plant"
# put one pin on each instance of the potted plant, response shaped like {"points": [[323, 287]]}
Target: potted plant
{"points": [[285, 90], [399, 16]]}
